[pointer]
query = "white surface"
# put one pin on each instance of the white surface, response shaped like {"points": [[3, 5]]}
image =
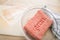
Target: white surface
{"points": [[16, 30], [13, 27]]}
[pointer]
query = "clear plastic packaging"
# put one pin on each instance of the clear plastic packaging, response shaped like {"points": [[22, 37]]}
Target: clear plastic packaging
{"points": [[29, 14]]}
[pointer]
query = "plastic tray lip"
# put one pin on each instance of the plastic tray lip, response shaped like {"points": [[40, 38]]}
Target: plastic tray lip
{"points": [[28, 11]]}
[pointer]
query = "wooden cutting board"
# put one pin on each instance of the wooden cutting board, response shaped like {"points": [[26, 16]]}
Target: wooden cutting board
{"points": [[9, 37]]}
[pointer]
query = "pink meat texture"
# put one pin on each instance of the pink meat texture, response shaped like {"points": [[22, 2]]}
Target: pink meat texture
{"points": [[38, 25]]}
